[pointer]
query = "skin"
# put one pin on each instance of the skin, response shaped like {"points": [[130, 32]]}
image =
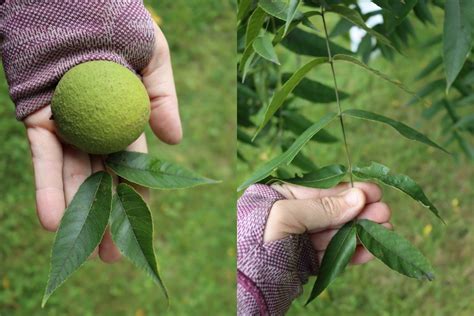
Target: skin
{"points": [[60, 168], [321, 212]]}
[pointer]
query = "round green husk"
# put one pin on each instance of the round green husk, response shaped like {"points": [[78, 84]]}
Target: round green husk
{"points": [[100, 107]]}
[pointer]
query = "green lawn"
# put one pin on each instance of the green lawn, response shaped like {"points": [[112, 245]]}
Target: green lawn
{"points": [[373, 289], [194, 229]]}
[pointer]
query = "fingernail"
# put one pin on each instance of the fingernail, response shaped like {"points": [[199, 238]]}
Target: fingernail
{"points": [[352, 197]]}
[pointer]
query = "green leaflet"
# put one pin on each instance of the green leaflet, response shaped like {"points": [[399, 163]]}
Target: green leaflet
{"points": [[244, 137], [310, 44], [292, 9], [323, 178], [342, 27], [297, 124], [151, 172], [286, 157], [395, 11], [457, 38], [422, 12], [282, 31], [307, 87], [336, 257], [393, 250], [244, 7], [246, 60], [280, 95], [279, 9], [432, 66], [381, 173], [132, 231], [354, 17], [365, 48], [428, 89], [81, 229], [465, 123], [357, 62], [403, 129], [303, 163], [264, 47], [254, 25]]}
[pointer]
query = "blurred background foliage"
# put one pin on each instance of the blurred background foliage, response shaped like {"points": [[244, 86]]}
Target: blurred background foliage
{"points": [[373, 289], [194, 228]]}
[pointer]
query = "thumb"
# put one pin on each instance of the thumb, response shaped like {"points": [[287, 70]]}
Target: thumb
{"points": [[289, 217]]}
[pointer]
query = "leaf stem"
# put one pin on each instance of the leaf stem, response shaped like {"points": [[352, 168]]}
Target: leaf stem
{"points": [[336, 91]]}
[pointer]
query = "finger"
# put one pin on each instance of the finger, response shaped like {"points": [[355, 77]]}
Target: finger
{"points": [[321, 240], [159, 82], [361, 256], [378, 212], [77, 167], [372, 191], [47, 157], [297, 216], [139, 145], [108, 252]]}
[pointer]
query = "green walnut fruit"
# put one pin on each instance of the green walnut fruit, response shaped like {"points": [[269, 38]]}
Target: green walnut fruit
{"points": [[100, 107]]}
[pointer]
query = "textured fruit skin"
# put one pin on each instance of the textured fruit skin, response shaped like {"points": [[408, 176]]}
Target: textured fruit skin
{"points": [[100, 107]]}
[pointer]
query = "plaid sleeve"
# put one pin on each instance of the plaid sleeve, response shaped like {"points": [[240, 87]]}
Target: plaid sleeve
{"points": [[270, 275], [40, 40]]}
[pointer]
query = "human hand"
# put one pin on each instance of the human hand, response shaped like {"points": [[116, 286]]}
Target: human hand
{"points": [[60, 168], [321, 212]]}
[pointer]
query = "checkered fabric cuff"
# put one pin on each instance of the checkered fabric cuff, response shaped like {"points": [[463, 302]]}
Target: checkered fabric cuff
{"points": [[270, 275]]}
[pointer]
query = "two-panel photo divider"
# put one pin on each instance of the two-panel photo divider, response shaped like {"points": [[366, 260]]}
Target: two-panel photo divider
{"points": [[236, 157]]}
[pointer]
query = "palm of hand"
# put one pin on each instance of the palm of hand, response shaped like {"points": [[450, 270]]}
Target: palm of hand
{"points": [[61, 168]]}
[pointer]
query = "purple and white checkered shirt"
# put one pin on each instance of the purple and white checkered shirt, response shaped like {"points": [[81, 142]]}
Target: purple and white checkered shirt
{"points": [[269, 275]]}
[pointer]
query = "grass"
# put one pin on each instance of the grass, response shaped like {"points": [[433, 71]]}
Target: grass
{"points": [[373, 289], [194, 229]]}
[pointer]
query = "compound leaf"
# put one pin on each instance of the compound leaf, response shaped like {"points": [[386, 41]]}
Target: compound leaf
{"points": [[393, 250], [81, 229]]}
